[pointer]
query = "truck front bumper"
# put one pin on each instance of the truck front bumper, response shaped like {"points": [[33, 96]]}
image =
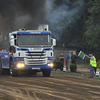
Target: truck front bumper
{"points": [[34, 67]]}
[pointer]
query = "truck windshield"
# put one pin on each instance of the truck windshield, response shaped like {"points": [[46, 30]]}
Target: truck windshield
{"points": [[34, 40]]}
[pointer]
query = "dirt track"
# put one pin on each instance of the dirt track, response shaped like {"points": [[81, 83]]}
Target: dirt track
{"points": [[56, 87]]}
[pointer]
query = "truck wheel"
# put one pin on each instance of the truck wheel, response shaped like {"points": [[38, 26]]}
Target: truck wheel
{"points": [[13, 72], [0, 67], [2, 71], [46, 73]]}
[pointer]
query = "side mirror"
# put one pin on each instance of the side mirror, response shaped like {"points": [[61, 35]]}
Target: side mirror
{"points": [[12, 41], [53, 41]]}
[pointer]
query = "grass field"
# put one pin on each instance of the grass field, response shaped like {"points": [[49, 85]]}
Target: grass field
{"points": [[81, 74], [82, 65], [77, 73]]}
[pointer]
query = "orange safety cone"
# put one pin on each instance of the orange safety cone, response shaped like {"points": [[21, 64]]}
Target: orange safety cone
{"points": [[64, 67]]}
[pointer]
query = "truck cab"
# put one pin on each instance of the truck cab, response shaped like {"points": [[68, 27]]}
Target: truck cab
{"points": [[31, 50]]}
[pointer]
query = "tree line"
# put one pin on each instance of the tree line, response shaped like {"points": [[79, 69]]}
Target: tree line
{"points": [[83, 33]]}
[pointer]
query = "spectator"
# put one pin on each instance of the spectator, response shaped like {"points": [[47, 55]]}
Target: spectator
{"points": [[61, 58], [67, 60], [73, 58]]}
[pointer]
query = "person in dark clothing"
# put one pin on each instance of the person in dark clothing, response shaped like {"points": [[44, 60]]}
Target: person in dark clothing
{"points": [[73, 58], [61, 58]]}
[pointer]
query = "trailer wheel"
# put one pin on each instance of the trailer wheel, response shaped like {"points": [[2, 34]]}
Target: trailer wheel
{"points": [[13, 72], [0, 67], [46, 73]]}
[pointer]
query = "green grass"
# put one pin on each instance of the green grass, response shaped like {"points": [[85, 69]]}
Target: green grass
{"points": [[73, 74], [82, 65], [80, 74]]}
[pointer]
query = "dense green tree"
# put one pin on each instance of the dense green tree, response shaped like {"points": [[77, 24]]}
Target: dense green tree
{"points": [[79, 40], [73, 35], [93, 27], [80, 24]]}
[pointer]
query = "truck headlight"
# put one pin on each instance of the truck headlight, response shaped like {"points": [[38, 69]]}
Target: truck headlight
{"points": [[20, 64], [51, 64]]}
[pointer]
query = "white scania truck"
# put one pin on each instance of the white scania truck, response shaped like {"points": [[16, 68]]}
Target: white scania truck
{"points": [[29, 50]]}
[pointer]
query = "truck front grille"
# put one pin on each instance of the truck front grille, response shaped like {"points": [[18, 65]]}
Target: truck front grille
{"points": [[35, 58]]}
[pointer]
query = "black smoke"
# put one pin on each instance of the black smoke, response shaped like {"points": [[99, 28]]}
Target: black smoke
{"points": [[62, 17], [16, 14]]}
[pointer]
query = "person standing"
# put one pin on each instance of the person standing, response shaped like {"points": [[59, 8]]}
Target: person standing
{"points": [[93, 64], [61, 58], [73, 58], [67, 60]]}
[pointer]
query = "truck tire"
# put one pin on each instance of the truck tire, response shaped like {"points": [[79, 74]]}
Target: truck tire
{"points": [[1, 67], [13, 72], [46, 73], [2, 71]]}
